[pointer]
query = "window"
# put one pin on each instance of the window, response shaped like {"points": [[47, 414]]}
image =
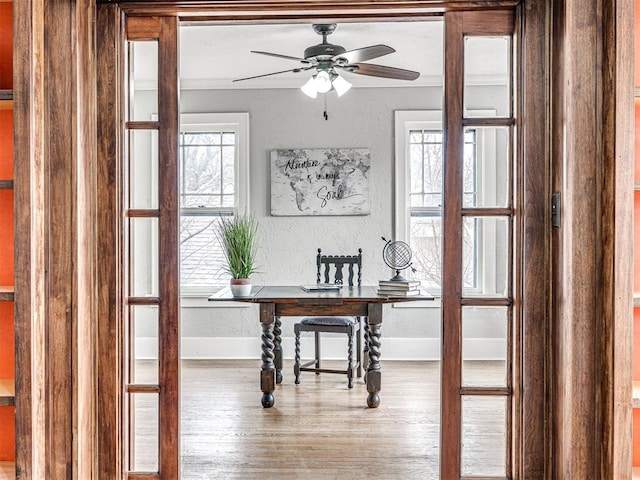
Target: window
{"points": [[214, 169], [419, 189]]}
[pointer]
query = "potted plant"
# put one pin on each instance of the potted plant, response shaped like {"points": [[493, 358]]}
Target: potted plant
{"points": [[237, 236]]}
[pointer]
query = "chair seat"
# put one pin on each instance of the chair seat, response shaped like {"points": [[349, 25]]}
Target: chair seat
{"points": [[337, 321]]}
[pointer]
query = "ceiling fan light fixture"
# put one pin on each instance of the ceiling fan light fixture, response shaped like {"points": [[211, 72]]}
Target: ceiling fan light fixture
{"points": [[309, 88], [322, 81], [340, 85]]}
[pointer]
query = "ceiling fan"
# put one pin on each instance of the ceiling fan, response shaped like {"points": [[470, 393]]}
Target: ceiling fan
{"points": [[328, 59]]}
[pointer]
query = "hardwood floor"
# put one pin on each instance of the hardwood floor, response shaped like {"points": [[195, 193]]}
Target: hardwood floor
{"points": [[319, 429]]}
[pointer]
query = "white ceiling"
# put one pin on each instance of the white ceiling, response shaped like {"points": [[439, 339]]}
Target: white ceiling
{"points": [[211, 56]]}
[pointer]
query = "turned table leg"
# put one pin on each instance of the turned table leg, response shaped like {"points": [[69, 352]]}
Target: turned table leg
{"points": [[267, 370], [374, 372], [277, 338]]}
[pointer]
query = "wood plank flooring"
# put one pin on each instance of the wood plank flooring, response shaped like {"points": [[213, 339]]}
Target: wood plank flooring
{"points": [[317, 430]]}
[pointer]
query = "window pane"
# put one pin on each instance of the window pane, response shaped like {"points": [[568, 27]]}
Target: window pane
{"points": [[485, 256], [426, 243], [484, 346], [425, 167], [207, 170], [487, 76], [486, 167], [142, 81], [143, 352], [143, 168], [144, 432], [143, 238], [201, 257], [484, 436]]}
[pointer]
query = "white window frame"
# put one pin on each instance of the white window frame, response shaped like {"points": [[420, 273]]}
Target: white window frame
{"points": [[406, 120], [206, 122]]}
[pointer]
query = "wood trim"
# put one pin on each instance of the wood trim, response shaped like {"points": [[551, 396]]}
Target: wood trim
{"points": [[142, 475], [486, 212], [486, 391], [532, 435], [169, 309], [134, 388], [502, 22], [143, 301], [485, 302], [29, 220], [6, 94], [450, 418], [591, 310], [488, 122], [142, 213], [616, 343], [108, 231], [143, 28], [6, 184], [142, 125]]}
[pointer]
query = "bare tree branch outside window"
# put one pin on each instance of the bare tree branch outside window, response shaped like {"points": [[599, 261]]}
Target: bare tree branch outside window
{"points": [[207, 192], [426, 164]]}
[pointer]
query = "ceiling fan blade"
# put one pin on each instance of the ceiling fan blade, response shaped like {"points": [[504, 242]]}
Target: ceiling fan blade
{"points": [[281, 56], [294, 70], [365, 53], [382, 71]]}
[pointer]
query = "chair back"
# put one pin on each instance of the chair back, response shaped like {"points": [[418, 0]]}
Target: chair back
{"points": [[324, 263]]}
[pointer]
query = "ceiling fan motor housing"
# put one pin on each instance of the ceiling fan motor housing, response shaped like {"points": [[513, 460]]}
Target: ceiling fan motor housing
{"points": [[324, 50]]}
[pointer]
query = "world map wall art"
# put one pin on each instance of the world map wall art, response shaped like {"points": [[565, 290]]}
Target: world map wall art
{"points": [[320, 181]]}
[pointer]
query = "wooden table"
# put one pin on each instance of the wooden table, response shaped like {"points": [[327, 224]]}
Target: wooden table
{"points": [[293, 301]]}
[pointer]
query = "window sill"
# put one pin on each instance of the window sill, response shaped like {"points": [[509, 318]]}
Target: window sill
{"points": [[199, 299]]}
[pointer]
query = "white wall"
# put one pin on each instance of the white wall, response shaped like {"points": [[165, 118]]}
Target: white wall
{"points": [[285, 118]]}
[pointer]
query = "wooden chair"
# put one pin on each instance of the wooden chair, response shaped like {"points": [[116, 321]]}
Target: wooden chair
{"points": [[348, 325]]}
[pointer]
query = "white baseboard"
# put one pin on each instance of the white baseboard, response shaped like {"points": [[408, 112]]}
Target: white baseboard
{"points": [[332, 348]]}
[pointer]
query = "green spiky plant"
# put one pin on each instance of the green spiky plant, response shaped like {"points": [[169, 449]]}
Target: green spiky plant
{"points": [[237, 237]]}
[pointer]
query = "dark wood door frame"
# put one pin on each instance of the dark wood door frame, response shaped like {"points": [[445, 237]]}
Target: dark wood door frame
{"points": [[576, 323]]}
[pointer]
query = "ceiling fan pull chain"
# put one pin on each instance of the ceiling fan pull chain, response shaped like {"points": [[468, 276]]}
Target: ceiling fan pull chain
{"points": [[326, 115]]}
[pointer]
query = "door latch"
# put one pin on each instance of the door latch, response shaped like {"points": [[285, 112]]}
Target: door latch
{"points": [[555, 209]]}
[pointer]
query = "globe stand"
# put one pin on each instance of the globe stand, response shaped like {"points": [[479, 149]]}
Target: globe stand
{"points": [[398, 277]]}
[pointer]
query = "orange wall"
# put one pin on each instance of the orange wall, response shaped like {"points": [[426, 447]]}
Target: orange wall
{"points": [[6, 46], [7, 367]]}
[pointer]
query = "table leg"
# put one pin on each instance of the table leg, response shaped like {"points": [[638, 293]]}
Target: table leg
{"points": [[277, 338], [267, 370], [365, 352], [374, 372]]}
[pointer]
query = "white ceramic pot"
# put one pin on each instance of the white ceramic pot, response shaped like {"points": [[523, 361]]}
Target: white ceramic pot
{"points": [[240, 287]]}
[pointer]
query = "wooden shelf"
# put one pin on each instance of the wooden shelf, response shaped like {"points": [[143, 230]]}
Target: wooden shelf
{"points": [[636, 185], [6, 293], [7, 469], [7, 392], [6, 99], [6, 184], [636, 299]]}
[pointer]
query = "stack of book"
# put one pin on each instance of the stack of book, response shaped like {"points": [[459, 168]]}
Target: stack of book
{"points": [[404, 288]]}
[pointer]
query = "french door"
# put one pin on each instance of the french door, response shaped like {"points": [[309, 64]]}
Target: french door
{"points": [[149, 286], [150, 239]]}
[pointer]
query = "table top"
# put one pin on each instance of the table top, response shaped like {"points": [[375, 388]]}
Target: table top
{"points": [[296, 294]]}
